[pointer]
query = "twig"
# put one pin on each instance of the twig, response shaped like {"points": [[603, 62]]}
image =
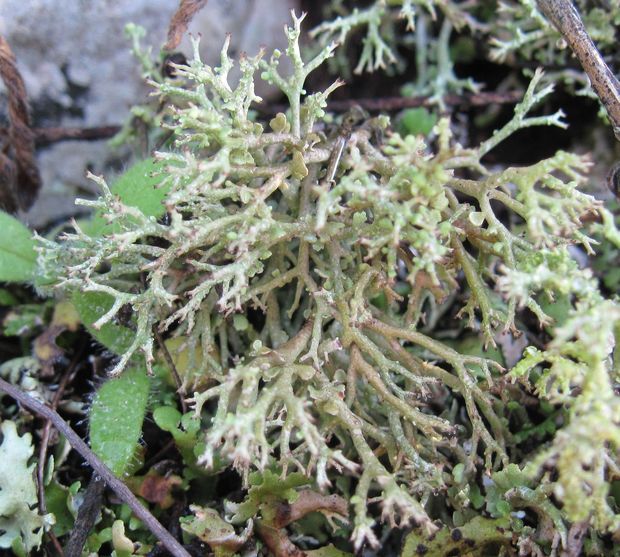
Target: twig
{"points": [[390, 104], [48, 427], [121, 490], [19, 176], [86, 517], [566, 19], [173, 369], [47, 136], [45, 437], [180, 20]]}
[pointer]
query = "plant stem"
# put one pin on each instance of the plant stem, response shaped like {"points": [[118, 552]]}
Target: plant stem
{"points": [[121, 490]]}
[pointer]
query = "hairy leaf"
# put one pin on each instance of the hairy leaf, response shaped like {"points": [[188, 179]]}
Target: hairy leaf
{"points": [[136, 187], [17, 255], [116, 418], [93, 305]]}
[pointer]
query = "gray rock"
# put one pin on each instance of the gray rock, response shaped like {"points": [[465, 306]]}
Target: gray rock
{"points": [[78, 71]]}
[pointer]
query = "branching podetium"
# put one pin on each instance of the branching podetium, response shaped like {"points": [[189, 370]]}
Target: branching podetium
{"points": [[301, 278]]}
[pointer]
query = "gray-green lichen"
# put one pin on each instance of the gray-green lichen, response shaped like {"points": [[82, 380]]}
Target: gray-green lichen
{"points": [[307, 305]]}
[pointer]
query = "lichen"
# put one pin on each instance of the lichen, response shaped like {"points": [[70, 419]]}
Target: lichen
{"points": [[299, 270]]}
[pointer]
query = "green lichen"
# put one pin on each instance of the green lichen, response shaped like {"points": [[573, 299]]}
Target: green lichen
{"points": [[301, 274], [21, 526]]}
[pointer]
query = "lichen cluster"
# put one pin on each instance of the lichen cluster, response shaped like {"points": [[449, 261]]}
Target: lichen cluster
{"points": [[305, 270], [515, 33]]}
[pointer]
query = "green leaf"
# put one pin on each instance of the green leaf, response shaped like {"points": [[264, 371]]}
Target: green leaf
{"points": [[417, 121], [116, 417], [137, 187], [511, 477], [93, 305], [183, 428], [503, 508], [6, 298], [57, 499], [458, 473], [18, 259], [167, 418]]}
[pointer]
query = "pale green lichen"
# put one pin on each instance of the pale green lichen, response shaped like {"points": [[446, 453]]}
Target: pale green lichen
{"points": [[21, 526], [516, 32], [299, 299]]}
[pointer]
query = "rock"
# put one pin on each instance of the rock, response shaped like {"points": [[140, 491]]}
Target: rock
{"points": [[78, 71]]}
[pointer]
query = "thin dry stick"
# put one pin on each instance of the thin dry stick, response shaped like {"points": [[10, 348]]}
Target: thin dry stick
{"points": [[45, 437], [565, 17], [386, 104], [173, 369], [121, 490], [20, 176], [86, 517], [47, 136], [54, 134], [180, 20], [390, 104]]}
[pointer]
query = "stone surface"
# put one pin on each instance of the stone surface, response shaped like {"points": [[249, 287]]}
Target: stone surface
{"points": [[78, 70]]}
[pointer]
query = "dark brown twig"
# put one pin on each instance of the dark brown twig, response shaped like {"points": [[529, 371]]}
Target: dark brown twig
{"points": [[391, 104], [121, 490], [565, 17], [86, 517], [47, 136], [47, 428], [613, 180], [19, 174], [173, 369], [45, 437], [180, 20]]}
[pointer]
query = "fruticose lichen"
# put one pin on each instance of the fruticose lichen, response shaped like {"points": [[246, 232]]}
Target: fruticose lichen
{"points": [[302, 271]]}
